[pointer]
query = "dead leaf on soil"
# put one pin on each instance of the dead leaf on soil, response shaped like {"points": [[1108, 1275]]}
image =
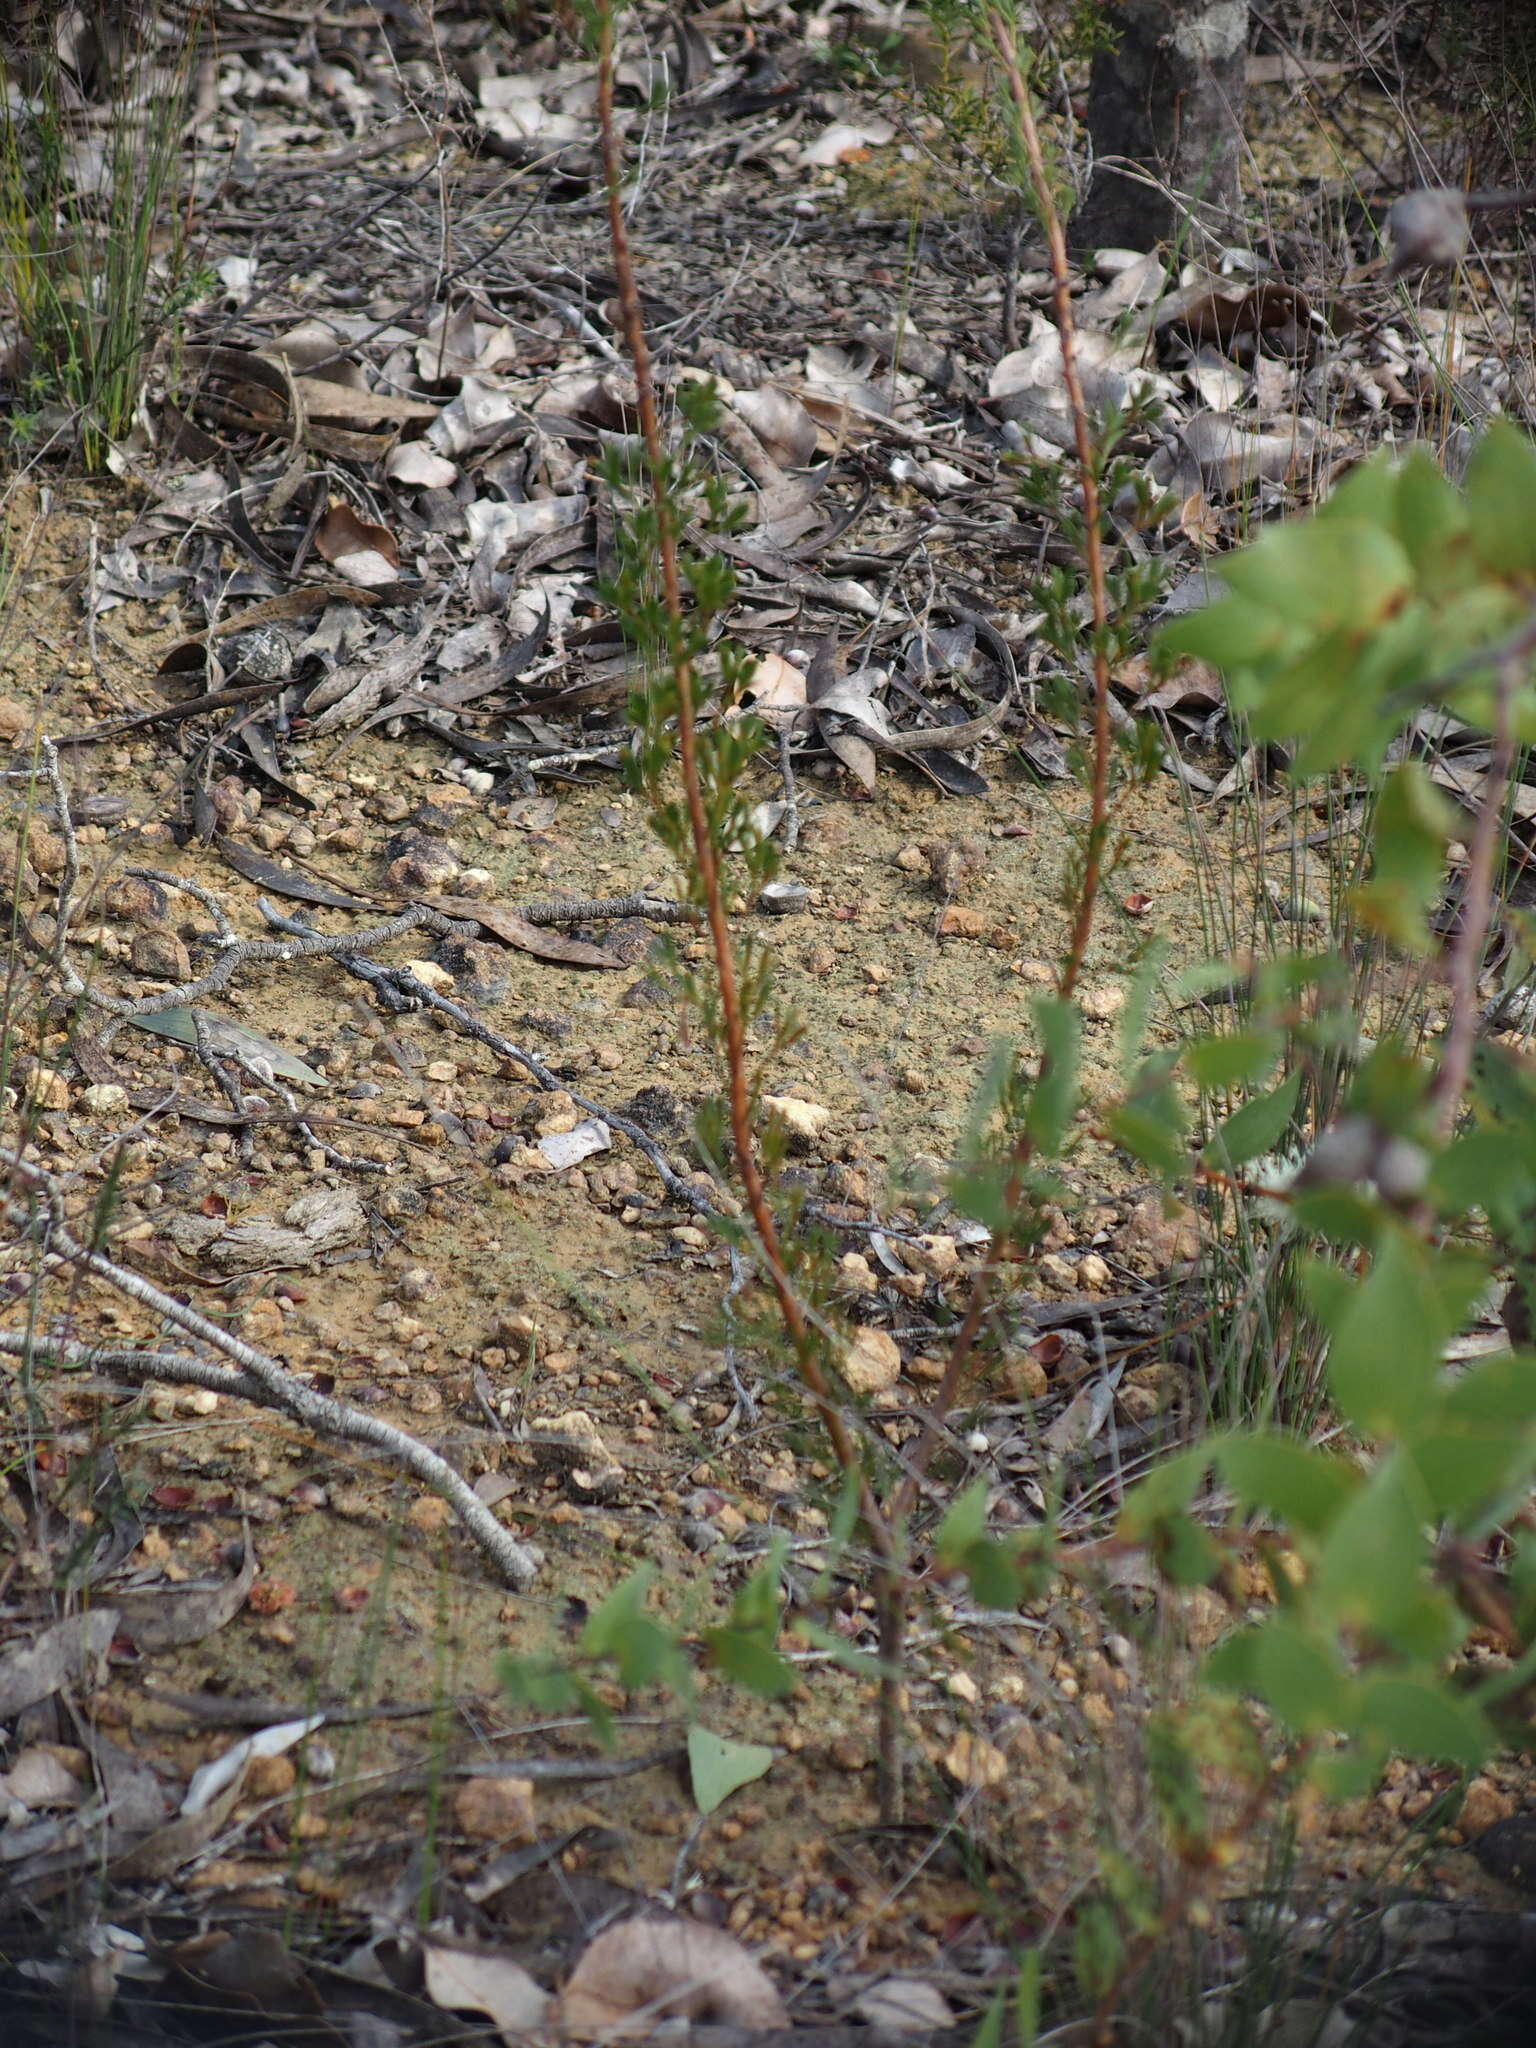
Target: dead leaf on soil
{"points": [[780, 422], [1229, 458], [481, 1980], [247, 1969], [233, 1041], [844, 142], [356, 548], [280, 881], [649, 1968], [69, 1653], [513, 930], [162, 1617]]}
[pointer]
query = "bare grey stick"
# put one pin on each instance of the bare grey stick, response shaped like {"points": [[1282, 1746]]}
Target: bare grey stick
{"points": [[274, 1385]]}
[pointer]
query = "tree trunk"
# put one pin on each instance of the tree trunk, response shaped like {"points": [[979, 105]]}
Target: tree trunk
{"points": [[1167, 98]]}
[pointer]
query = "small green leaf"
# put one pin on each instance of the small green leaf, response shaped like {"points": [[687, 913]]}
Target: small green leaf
{"points": [[750, 1661], [1233, 1666], [1151, 1129], [1412, 829], [1374, 1572], [964, 1523], [1419, 1718], [718, 1767], [1500, 491], [1257, 1127], [1299, 1677], [1232, 1059], [1387, 1341], [1167, 1489], [1054, 1096], [1301, 1485]]}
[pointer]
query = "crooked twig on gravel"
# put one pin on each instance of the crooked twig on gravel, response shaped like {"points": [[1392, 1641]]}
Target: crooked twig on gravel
{"points": [[401, 990], [258, 1378]]}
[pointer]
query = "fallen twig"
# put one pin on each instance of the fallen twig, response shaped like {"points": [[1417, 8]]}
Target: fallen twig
{"points": [[259, 1378]]}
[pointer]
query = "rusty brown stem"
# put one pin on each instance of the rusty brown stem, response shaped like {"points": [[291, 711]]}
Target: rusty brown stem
{"points": [[891, 1586], [960, 1365]]}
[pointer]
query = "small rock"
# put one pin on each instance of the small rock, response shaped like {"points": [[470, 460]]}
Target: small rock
{"points": [[855, 1275], [160, 955], [1053, 1271], [104, 1098], [1026, 1378], [784, 899], [803, 1121], [959, 921], [1152, 1239], [935, 1254], [1092, 1273], [872, 1361], [264, 654], [1483, 1805], [46, 1088], [417, 1283], [431, 976], [15, 717], [1100, 1005], [971, 1760], [269, 1777], [497, 1809], [426, 868], [45, 850]]}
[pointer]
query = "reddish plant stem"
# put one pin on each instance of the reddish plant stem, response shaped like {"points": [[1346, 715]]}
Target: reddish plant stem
{"points": [[889, 1588], [959, 1365]]}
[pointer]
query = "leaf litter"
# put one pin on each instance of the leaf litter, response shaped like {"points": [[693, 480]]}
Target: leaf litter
{"points": [[379, 527]]}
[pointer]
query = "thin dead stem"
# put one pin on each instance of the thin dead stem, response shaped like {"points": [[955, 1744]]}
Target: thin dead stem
{"points": [[258, 1377]]}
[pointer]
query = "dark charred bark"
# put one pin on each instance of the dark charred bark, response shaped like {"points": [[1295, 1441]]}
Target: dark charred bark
{"points": [[1167, 99]]}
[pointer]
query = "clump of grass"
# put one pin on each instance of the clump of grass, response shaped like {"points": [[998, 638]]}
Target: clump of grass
{"points": [[91, 236]]}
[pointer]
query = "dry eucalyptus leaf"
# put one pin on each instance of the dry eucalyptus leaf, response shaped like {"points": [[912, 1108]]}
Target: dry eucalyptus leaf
{"points": [[480, 1980], [66, 1654], [646, 1969], [41, 1778], [246, 1969], [775, 690], [513, 930], [844, 142], [230, 1040], [165, 1616], [413, 462], [780, 422], [1229, 458]]}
